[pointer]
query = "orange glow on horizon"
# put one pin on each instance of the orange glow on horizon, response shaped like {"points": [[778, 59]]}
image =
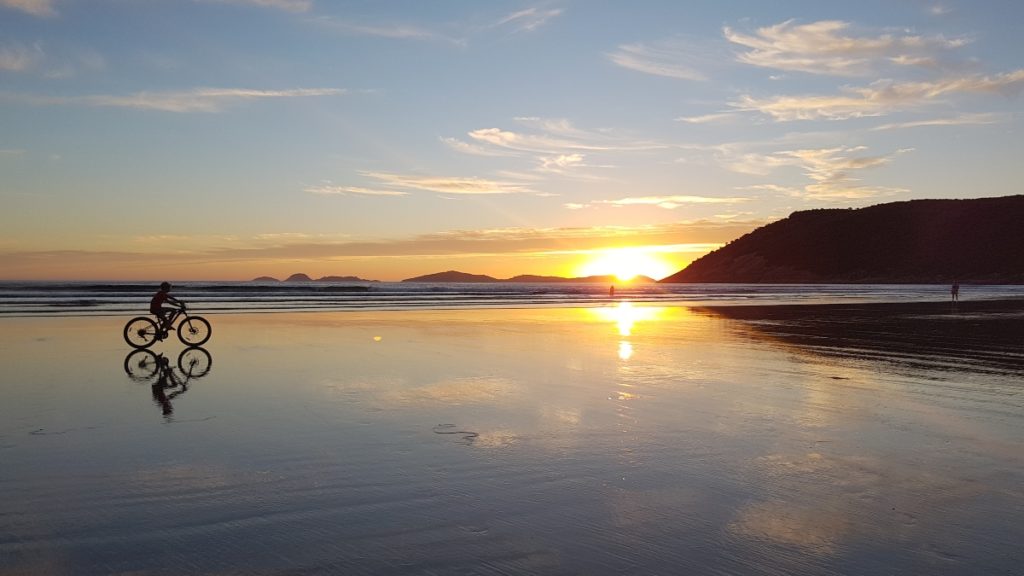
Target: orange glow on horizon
{"points": [[628, 263]]}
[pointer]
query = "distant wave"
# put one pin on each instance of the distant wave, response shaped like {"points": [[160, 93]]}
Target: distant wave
{"points": [[116, 298]]}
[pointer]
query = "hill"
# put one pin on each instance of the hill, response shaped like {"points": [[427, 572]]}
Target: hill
{"points": [[305, 278], [919, 241], [453, 276]]}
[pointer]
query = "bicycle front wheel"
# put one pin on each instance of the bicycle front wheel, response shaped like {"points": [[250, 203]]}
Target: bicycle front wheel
{"points": [[194, 331], [140, 332], [194, 362]]}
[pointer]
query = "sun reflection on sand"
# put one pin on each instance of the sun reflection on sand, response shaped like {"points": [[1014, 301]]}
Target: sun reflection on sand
{"points": [[625, 350], [625, 315]]}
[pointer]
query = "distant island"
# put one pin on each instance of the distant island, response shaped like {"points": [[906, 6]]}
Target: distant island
{"points": [[304, 278], [456, 276], [914, 242]]}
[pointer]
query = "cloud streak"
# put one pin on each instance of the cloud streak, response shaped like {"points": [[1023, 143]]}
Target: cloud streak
{"points": [[831, 171], [529, 19], [297, 6], [40, 8], [555, 137], [448, 184], [825, 48], [385, 30], [879, 98], [331, 190], [196, 100], [672, 59], [670, 202], [962, 120]]}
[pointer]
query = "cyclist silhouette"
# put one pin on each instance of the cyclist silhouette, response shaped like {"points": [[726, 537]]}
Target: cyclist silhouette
{"points": [[166, 380], [163, 305]]}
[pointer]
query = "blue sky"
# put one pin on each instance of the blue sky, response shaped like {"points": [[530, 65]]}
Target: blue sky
{"points": [[204, 139]]}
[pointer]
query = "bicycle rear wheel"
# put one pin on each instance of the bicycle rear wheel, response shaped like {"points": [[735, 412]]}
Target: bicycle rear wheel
{"points": [[141, 365], [194, 331], [140, 332]]}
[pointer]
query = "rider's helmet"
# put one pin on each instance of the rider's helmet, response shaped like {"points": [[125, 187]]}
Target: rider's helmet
{"points": [[165, 286]]}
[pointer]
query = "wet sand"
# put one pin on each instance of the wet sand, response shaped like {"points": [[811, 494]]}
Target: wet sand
{"points": [[861, 439]]}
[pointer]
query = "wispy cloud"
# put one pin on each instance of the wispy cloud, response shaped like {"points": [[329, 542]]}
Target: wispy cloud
{"points": [[41, 8], [18, 58], [448, 184], [561, 163], [571, 166], [332, 190], [556, 137], [196, 100], [825, 47], [774, 188], [961, 120], [831, 171], [557, 146], [287, 5], [880, 98], [473, 149], [709, 118], [385, 30], [670, 202], [670, 58], [529, 19]]}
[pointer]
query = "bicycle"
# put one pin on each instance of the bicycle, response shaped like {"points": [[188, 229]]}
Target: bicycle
{"points": [[143, 331], [143, 365]]}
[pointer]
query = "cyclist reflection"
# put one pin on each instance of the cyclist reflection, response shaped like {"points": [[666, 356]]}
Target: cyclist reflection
{"points": [[167, 383]]}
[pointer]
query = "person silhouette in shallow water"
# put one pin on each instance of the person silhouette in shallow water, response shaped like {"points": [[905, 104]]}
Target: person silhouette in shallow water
{"points": [[163, 305], [954, 291]]}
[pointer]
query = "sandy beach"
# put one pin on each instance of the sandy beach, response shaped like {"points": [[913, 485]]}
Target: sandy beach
{"points": [[617, 439]]}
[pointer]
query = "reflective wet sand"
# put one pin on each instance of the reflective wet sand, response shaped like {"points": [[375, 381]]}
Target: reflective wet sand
{"points": [[611, 440]]}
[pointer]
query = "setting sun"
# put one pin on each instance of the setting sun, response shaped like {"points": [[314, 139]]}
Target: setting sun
{"points": [[627, 263]]}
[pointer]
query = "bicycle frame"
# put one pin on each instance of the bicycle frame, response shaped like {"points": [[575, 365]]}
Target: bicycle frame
{"points": [[168, 325]]}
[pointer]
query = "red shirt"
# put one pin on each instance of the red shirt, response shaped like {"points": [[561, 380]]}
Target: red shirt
{"points": [[158, 301]]}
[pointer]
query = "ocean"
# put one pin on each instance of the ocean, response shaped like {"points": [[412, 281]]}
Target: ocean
{"points": [[116, 298]]}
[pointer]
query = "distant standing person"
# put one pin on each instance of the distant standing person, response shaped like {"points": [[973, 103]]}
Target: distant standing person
{"points": [[611, 291], [954, 291]]}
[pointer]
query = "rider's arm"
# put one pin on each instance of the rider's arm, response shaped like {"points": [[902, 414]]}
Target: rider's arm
{"points": [[175, 301]]}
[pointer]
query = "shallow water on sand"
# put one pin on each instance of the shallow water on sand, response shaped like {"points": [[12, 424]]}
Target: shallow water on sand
{"points": [[608, 440]]}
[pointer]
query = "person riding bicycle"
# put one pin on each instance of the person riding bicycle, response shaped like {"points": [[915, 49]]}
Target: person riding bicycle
{"points": [[163, 305]]}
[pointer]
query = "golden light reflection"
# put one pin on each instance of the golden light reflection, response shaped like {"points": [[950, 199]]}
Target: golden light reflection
{"points": [[625, 350], [625, 315], [628, 263]]}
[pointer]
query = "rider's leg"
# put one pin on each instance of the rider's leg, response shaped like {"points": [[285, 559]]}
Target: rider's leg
{"points": [[162, 319]]}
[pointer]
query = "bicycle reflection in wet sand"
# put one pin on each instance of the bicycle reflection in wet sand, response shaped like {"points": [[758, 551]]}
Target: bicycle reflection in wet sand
{"points": [[147, 367]]}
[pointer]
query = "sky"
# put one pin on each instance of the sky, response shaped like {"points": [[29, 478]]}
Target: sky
{"points": [[229, 139]]}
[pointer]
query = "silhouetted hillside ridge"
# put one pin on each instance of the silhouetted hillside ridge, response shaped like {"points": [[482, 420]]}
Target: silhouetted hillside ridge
{"points": [[918, 241]]}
